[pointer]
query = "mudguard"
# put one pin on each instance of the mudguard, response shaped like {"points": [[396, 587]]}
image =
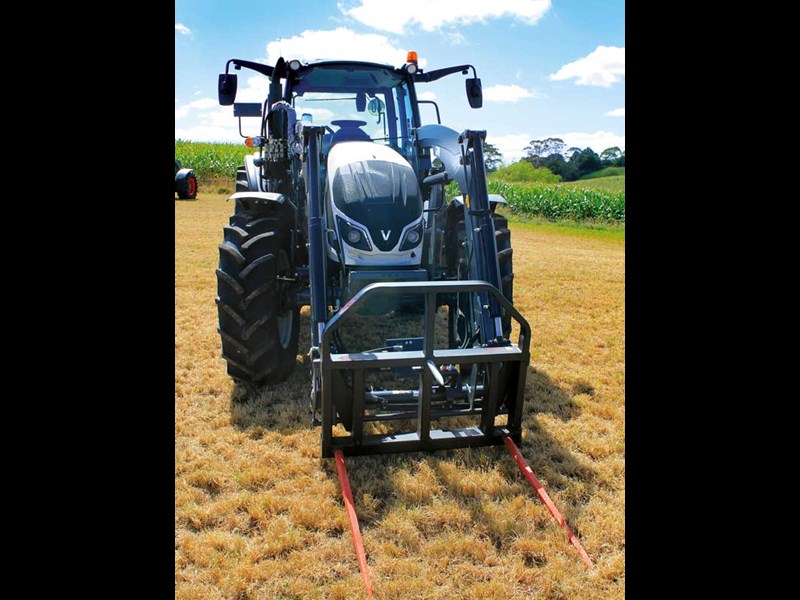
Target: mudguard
{"points": [[252, 200], [446, 139], [253, 178]]}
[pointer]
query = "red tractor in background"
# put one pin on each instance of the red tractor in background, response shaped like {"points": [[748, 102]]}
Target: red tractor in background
{"points": [[185, 182]]}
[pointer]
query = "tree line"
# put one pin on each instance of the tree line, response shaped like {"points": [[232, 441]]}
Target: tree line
{"points": [[553, 154]]}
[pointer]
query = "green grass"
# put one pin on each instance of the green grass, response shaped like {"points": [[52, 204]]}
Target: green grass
{"points": [[615, 183], [607, 172], [599, 230]]}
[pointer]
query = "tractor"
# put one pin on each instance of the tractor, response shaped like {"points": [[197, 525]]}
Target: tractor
{"points": [[343, 207], [185, 182]]}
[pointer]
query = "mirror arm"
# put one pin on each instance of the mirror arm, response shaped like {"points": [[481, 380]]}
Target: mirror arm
{"points": [[439, 73], [238, 63]]}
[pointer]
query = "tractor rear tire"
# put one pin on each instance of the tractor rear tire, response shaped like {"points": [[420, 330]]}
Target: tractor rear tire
{"points": [[258, 321], [187, 189]]}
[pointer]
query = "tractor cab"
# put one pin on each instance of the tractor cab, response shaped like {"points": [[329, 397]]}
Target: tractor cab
{"points": [[355, 102]]}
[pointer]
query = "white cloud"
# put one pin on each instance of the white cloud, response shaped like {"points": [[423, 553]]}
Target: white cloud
{"points": [[201, 103], [432, 15], [617, 112], [456, 38], [256, 89], [205, 133], [210, 122], [198, 92], [602, 67], [597, 141], [518, 75], [183, 29], [426, 96], [216, 125], [507, 93], [512, 146], [340, 43]]}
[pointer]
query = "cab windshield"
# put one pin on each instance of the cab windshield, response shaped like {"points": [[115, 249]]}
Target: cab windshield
{"points": [[370, 101]]}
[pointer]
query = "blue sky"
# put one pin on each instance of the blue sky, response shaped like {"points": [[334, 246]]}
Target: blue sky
{"points": [[548, 68]]}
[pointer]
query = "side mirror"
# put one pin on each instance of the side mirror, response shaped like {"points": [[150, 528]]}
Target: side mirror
{"points": [[227, 89], [361, 101], [474, 92]]}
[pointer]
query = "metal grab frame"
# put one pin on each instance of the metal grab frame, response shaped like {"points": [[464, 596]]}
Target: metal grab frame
{"points": [[427, 359]]}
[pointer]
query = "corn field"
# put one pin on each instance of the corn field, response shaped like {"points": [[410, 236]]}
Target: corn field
{"points": [[211, 160], [552, 202], [559, 202]]}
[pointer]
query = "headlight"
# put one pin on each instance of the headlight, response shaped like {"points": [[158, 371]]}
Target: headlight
{"points": [[412, 237], [294, 64], [353, 236]]}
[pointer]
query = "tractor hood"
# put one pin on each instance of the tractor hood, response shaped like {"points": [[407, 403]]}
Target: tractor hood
{"points": [[376, 187]]}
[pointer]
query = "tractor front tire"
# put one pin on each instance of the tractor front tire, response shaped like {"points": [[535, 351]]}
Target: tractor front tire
{"points": [[502, 237], [461, 312], [187, 189], [242, 185], [258, 321]]}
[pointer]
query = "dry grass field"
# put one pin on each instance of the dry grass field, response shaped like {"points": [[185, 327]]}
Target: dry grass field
{"points": [[259, 515]]}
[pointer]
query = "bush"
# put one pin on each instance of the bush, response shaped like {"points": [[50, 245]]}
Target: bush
{"points": [[524, 172]]}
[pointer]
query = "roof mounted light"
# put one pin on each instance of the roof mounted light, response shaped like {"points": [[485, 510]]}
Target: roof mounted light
{"points": [[411, 68], [294, 65], [411, 57]]}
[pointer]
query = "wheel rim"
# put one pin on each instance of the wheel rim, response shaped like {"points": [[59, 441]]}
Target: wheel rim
{"points": [[286, 317], [191, 186]]}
